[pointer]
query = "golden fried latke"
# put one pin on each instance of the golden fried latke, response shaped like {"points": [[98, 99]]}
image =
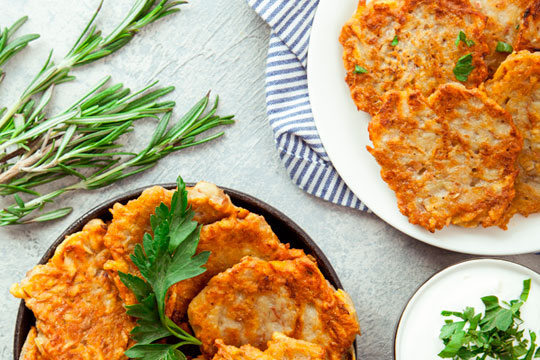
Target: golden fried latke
{"points": [[209, 202], [528, 37], [503, 24], [425, 54], [30, 350], [131, 221], [516, 87], [247, 303], [281, 347], [245, 352], [79, 314], [451, 159], [228, 240]]}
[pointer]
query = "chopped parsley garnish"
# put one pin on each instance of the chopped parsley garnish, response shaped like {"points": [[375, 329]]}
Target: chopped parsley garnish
{"points": [[495, 335], [462, 37], [395, 41], [163, 261], [504, 47], [359, 70], [463, 68]]}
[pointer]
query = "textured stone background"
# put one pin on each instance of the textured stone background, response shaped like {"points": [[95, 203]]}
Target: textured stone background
{"points": [[219, 45]]}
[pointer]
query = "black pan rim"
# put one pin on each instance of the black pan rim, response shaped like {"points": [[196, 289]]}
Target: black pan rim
{"points": [[396, 327], [255, 205]]}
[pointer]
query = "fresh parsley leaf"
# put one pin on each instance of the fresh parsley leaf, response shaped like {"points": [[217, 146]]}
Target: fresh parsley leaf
{"points": [[163, 260], [395, 41], [504, 47], [155, 352], [359, 70], [452, 347], [462, 37], [496, 335], [464, 67], [449, 329], [452, 313], [138, 286], [526, 289]]}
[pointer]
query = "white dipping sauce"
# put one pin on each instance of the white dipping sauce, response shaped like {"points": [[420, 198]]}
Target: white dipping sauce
{"points": [[455, 288]]}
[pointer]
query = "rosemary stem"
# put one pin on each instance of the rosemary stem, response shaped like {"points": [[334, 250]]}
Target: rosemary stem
{"points": [[22, 163]]}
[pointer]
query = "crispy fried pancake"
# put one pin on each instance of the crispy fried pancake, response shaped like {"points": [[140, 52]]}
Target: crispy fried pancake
{"points": [[281, 347], [245, 352], [451, 159], [229, 240], [79, 314], [131, 221], [425, 55], [247, 303], [516, 87], [209, 202], [504, 18], [528, 37], [30, 350], [238, 234]]}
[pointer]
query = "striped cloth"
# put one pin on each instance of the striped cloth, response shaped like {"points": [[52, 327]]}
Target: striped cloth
{"points": [[287, 101]]}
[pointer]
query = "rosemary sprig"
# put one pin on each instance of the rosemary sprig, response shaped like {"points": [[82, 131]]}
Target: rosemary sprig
{"points": [[89, 47], [77, 137], [165, 140], [9, 47]]}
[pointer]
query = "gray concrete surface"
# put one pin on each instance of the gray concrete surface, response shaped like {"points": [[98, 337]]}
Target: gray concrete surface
{"points": [[219, 45]]}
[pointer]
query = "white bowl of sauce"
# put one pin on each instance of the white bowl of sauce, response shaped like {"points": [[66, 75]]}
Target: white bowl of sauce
{"points": [[453, 289]]}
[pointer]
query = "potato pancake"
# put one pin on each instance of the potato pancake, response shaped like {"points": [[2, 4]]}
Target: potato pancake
{"points": [[393, 45], [451, 158], [79, 314], [504, 22], [516, 87], [228, 240], [281, 347], [131, 221], [30, 350], [246, 352], [239, 233], [247, 303], [528, 37]]}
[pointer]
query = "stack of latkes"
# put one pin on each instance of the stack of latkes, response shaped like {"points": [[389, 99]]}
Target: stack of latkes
{"points": [[258, 298], [453, 88]]}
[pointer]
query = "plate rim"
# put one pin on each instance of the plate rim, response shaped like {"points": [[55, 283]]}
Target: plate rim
{"points": [[439, 272], [400, 224], [24, 314]]}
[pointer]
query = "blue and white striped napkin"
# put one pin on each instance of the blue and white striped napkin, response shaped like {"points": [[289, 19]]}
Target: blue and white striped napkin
{"points": [[287, 101]]}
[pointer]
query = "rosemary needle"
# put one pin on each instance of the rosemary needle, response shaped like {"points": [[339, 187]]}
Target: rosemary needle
{"points": [[9, 47]]}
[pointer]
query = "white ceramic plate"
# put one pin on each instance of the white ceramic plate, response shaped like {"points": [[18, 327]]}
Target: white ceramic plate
{"points": [[453, 289], [343, 131]]}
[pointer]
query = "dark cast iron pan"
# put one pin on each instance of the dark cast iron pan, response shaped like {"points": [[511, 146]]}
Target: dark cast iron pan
{"points": [[285, 229]]}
